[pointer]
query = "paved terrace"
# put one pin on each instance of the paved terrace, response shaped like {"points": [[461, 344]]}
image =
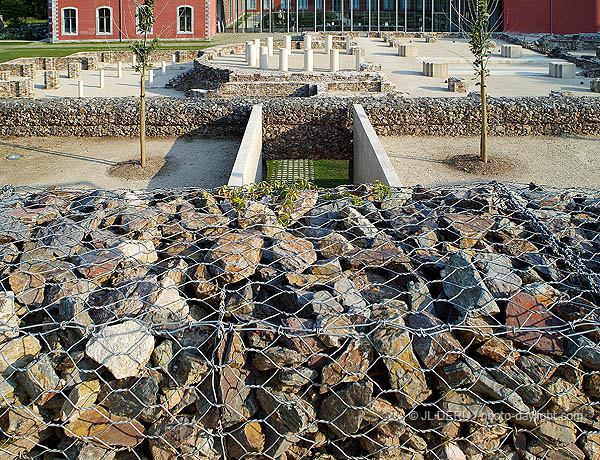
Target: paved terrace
{"points": [[526, 76]]}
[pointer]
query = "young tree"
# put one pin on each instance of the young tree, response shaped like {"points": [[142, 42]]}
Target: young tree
{"points": [[481, 46], [143, 49]]}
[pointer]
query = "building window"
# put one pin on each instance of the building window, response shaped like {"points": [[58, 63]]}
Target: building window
{"points": [[319, 4], [251, 4], [302, 4], [184, 23], [69, 16], [137, 21], [355, 4], [103, 20], [266, 4], [283, 5], [388, 5]]}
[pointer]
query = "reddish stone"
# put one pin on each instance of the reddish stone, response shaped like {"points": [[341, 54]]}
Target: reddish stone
{"points": [[526, 312], [361, 258], [468, 227], [98, 263], [97, 425]]}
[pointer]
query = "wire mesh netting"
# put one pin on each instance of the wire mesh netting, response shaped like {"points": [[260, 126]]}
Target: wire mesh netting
{"points": [[291, 323]]}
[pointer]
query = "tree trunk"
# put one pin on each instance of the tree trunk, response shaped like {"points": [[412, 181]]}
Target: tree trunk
{"points": [[483, 144], [143, 118]]}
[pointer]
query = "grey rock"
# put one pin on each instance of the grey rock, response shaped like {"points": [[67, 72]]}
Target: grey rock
{"points": [[123, 348], [39, 380], [344, 410], [499, 274], [288, 414], [465, 289]]}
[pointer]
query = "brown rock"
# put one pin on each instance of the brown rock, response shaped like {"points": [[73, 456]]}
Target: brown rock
{"points": [[334, 245], [97, 425], [432, 344], [135, 220], [467, 228], [183, 437], [39, 380], [407, 379], [28, 288], [17, 353], [201, 284], [235, 256], [247, 439], [293, 254], [344, 410], [525, 311], [98, 264], [81, 397], [499, 350], [350, 366], [590, 443]]}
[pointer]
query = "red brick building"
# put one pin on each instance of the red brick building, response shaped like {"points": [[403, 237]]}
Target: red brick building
{"points": [[552, 16], [114, 20]]}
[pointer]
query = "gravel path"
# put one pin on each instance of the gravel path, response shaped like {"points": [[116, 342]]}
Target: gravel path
{"points": [[564, 161], [84, 162]]}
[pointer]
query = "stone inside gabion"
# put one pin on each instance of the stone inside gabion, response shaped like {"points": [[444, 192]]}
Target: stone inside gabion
{"points": [[453, 322]]}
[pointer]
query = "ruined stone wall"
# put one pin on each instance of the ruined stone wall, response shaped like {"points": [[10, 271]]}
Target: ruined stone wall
{"points": [[300, 127]]}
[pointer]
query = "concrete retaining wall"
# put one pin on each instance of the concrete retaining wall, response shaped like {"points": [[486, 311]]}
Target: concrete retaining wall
{"points": [[248, 166], [371, 161]]}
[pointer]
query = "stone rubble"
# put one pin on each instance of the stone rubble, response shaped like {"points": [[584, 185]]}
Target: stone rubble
{"points": [[433, 323]]}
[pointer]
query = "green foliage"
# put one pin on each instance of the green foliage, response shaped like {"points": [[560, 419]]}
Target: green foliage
{"points": [[284, 193], [14, 11], [143, 48], [480, 42], [381, 190], [37, 8]]}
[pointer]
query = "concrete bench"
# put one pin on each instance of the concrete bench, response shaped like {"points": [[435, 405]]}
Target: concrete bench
{"points": [[435, 69], [511, 51], [562, 70], [408, 51]]}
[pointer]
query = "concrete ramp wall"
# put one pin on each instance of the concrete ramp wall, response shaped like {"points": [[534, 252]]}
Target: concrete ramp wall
{"points": [[371, 161], [247, 168]]}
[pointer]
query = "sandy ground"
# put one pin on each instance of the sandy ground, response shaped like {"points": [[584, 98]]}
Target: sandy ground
{"points": [[128, 85], [565, 161], [84, 162], [527, 76]]}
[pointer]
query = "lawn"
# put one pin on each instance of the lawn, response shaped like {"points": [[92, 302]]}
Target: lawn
{"points": [[12, 50], [328, 173]]}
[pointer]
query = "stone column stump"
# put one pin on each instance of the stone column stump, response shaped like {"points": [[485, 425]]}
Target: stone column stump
{"points": [[51, 79], [74, 70]]}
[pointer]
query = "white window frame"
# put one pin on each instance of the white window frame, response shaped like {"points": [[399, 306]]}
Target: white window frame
{"points": [[62, 20], [249, 4], [98, 20], [302, 4], [137, 21], [179, 31]]}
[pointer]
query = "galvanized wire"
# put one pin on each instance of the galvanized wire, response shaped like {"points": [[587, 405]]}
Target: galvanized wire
{"points": [[455, 322]]}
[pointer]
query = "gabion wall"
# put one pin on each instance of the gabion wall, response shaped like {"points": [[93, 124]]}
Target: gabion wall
{"points": [[290, 323]]}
